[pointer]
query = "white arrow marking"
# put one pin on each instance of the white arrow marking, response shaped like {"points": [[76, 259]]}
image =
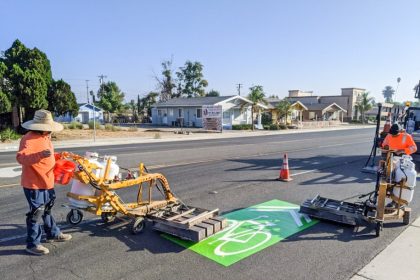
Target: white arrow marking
{"points": [[10, 172]]}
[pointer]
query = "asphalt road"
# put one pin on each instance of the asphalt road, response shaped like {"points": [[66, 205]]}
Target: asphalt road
{"points": [[241, 171]]}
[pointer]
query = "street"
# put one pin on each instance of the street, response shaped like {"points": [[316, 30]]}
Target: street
{"points": [[228, 174]]}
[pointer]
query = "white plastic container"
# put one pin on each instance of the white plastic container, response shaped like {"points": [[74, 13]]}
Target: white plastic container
{"points": [[405, 170], [80, 188], [113, 170]]}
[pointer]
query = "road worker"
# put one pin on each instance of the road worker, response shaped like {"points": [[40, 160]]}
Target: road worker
{"points": [[399, 141], [36, 155]]}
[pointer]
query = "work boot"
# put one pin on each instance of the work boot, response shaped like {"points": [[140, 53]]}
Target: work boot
{"points": [[38, 250], [62, 237]]}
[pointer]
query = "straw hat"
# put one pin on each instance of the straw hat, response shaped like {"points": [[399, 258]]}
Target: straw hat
{"points": [[43, 121]]}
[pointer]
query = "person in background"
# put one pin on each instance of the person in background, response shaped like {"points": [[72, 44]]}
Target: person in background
{"points": [[36, 155], [400, 141], [410, 124]]}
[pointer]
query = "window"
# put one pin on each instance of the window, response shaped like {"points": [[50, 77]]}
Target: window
{"points": [[180, 113], [311, 115], [171, 112], [199, 112]]}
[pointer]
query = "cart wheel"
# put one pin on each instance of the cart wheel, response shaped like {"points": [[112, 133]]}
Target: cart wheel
{"points": [[74, 217], [107, 217], [379, 227], [406, 218], [138, 225]]}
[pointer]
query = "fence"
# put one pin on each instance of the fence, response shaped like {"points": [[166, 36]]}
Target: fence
{"points": [[313, 124]]}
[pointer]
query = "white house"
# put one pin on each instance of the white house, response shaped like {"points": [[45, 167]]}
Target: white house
{"points": [[85, 115], [236, 110]]}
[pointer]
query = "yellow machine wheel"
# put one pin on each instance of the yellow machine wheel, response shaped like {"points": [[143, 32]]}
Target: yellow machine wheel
{"points": [[138, 225], [378, 229], [107, 217], [74, 217], [406, 218]]}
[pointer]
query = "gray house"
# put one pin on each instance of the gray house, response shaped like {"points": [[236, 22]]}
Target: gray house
{"points": [[188, 111]]}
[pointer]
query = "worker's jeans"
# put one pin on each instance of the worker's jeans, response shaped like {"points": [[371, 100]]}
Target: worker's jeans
{"points": [[40, 204]]}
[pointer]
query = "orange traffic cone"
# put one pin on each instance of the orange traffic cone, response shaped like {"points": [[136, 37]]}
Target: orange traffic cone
{"points": [[284, 171]]}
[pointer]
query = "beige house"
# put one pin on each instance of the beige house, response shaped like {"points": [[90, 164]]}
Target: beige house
{"points": [[344, 104], [296, 114]]}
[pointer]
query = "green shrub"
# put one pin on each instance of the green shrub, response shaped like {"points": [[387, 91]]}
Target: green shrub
{"points": [[241, 126], [266, 119], [75, 125], [8, 135], [133, 128], [282, 126], [97, 125], [111, 127]]}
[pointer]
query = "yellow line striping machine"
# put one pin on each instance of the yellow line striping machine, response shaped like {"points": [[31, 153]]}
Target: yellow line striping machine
{"points": [[395, 182], [96, 180]]}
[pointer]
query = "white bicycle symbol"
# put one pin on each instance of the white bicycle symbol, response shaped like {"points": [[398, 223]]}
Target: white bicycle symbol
{"points": [[242, 237]]}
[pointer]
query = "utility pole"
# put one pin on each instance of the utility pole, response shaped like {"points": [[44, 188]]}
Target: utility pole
{"points": [[87, 90], [239, 88]]}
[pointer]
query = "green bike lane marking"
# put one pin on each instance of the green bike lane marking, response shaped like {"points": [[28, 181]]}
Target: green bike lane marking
{"points": [[250, 230]]}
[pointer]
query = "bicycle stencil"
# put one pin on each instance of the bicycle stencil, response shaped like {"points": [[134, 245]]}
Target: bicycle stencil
{"points": [[251, 230]]}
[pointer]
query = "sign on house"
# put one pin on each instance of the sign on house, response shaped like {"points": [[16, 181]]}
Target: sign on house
{"points": [[212, 117]]}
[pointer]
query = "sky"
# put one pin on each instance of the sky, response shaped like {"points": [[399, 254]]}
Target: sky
{"points": [[321, 45]]}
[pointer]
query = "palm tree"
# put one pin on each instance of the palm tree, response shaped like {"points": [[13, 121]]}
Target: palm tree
{"points": [[388, 93], [363, 104], [256, 96], [284, 108]]}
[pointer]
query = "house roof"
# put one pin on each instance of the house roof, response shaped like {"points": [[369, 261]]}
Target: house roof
{"points": [[272, 103], [200, 101], [323, 107], [89, 107]]}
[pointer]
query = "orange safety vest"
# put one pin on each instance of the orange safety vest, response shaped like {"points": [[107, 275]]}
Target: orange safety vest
{"points": [[402, 141]]}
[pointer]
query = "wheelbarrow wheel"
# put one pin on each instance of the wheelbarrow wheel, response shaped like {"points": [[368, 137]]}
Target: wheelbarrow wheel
{"points": [[138, 225], [379, 227], [74, 217], [108, 217], [406, 218]]}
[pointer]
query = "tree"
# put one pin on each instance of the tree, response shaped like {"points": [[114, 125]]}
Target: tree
{"points": [[363, 104], [61, 99], [213, 93], [28, 75], [148, 101], [274, 96], [284, 108], [190, 80], [388, 93], [256, 96], [166, 84], [110, 97], [5, 104]]}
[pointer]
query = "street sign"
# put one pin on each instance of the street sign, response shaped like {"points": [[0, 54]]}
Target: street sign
{"points": [[212, 117], [250, 230]]}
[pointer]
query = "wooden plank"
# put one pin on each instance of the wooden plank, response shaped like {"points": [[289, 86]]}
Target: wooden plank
{"points": [[223, 221], [215, 224], [181, 214], [194, 233], [209, 228], [199, 218]]}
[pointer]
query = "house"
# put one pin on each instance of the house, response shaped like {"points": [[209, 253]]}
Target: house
{"points": [[341, 107], [296, 114], [188, 111], [86, 113]]}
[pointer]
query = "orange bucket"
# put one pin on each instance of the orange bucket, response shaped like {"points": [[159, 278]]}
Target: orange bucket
{"points": [[63, 171]]}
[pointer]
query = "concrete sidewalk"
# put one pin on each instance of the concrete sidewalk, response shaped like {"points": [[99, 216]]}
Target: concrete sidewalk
{"points": [[13, 146], [400, 260]]}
